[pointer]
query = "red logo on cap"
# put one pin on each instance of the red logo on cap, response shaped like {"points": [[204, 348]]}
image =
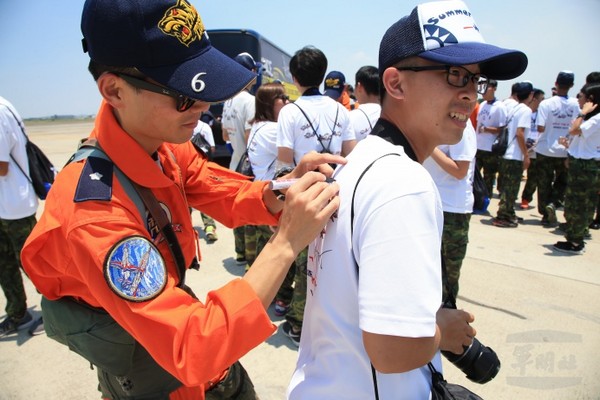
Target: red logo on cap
{"points": [[183, 22]]}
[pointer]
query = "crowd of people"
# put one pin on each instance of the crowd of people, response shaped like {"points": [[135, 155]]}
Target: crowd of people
{"points": [[380, 168]]}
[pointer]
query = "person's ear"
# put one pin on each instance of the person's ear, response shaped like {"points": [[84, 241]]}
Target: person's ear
{"points": [[392, 80], [111, 89]]}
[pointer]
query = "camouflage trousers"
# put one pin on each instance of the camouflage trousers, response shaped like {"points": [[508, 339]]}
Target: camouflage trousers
{"points": [[552, 181], [580, 198], [207, 220], [239, 237], [295, 315], [511, 172], [255, 239], [531, 183], [490, 163], [455, 238], [13, 234], [235, 386]]}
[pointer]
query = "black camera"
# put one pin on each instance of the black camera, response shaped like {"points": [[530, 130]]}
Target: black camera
{"points": [[479, 363]]}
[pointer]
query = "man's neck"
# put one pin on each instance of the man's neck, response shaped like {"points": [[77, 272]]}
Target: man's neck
{"points": [[416, 139]]}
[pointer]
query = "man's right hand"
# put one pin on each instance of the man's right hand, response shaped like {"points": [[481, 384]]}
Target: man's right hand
{"points": [[456, 329]]}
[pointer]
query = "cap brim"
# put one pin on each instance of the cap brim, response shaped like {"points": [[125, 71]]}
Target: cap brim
{"points": [[495, 62], [334, 94], [215, 76]]}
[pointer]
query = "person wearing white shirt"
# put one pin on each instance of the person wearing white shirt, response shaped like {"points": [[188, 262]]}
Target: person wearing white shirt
{"points": [[373, 323], [451, 167], [555, 116], [237, 114], [314, 122], [205, 131], [490, 117], [18, 205], [366, 115], [583, 173], [532, 174], [516, 158]]}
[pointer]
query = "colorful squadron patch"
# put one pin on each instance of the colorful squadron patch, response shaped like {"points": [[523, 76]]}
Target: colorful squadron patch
{"points": [[183, 22], [135, 269]]}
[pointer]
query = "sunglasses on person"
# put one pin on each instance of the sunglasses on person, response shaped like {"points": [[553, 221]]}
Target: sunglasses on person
{"points": [[456, 76], [183, 103]]}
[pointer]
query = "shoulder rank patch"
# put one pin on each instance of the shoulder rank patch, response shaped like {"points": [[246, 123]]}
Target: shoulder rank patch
{"points": [[95, 181], [135, 270]]}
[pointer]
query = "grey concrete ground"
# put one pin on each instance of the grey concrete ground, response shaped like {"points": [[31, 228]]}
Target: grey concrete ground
{"points": [[536, 308]]}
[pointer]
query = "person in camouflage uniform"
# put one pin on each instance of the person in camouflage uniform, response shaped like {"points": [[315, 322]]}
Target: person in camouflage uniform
{"points": [[582, 186], [451, 167], [18, 205], [516, 157]]}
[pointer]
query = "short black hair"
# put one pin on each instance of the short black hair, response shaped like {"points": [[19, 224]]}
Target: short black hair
{"points": [[368, 77], [493, 83], [308, 66]]}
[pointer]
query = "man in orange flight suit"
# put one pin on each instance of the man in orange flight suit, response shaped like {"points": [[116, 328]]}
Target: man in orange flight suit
{"points": [[111, 287]]}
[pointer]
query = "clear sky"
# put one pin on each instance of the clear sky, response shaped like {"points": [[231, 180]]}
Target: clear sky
{"points": [[43, 70]]}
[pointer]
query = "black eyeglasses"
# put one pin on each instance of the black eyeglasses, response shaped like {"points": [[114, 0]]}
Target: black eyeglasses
{"points": [[455, 75], [183, 103]]}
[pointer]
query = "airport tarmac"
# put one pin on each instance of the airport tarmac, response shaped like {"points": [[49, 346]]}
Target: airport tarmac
{"points": [[538, 309]]}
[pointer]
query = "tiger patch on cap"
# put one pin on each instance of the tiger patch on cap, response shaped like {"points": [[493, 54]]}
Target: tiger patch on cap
{"points": [[183, 22]]}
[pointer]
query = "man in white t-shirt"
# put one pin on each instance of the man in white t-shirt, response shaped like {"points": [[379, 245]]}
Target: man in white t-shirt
{"points": [[204, 131], [366, 115], [314, 122], [373, 319], [516, 158], [237, 114], [451, 168], [18, 205], [554, 118], [491, 116]]}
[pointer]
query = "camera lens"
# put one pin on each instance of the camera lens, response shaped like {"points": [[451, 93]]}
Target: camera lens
{"points": [[479, 363]]}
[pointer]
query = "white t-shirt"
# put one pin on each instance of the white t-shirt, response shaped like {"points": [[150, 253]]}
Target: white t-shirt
{"points": [[556, 114], [262, 150], [237, 114], [17, 197], [520, 117], [204, 130], [456, 194], [492, 115], [587, 145], [329, 118], [364, 118], [398, 224]]}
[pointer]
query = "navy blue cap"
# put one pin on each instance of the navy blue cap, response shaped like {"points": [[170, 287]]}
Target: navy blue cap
{"points": [[166, 41], [445, 32], [334, 84], [246, 60]]}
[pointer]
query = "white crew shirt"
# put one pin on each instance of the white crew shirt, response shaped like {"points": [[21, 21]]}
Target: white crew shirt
{"points": [[555, 114], [329, 118], [521, 118], [17, 197], [395, 213], [262, 150], [491, 114], [237, 114], [586, 146], [456, 194], [363, 119]]}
